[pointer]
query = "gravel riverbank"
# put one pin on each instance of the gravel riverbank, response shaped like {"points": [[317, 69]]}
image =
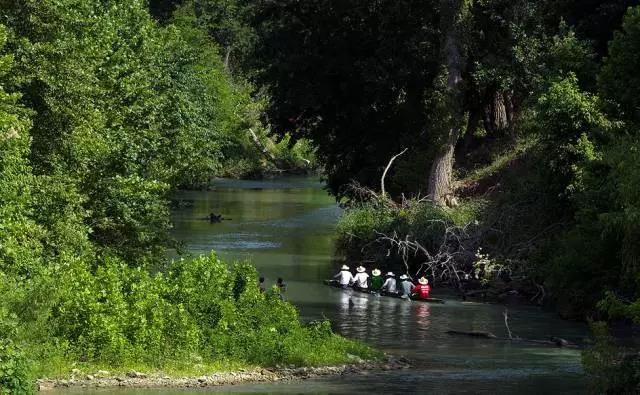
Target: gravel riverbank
{"points": [[134, 379]]}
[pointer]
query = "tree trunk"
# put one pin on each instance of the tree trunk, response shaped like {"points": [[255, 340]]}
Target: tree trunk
{"points": [[512, 118], [499, 112], [226, 58], [440, 177]]}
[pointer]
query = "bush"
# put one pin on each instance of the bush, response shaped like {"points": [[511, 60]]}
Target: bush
{"points": [[612, 369], [14, 368], [422, 221], [363, 221], [199, 310], [118, 314]]}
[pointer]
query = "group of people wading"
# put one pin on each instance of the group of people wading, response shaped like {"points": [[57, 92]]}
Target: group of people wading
{"points": [[385, 286]]}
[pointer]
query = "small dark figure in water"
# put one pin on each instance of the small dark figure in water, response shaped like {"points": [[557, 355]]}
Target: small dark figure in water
{"points": [[213, 218], [282, 287], [261, 284]]}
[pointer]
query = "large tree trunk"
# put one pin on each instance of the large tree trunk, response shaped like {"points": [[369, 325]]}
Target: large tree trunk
{"points": [[499, 112], [440, 177]]}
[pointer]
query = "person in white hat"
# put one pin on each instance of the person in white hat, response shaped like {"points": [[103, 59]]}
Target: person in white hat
{"points": [[422, 290], [345, 278], [389, 285], [406, 286], [376, 280], [361, 278]]}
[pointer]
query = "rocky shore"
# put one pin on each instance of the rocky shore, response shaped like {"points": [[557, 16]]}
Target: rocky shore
{"points": [[133, 379]]}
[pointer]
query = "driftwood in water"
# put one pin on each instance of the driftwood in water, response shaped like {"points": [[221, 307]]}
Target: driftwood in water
{"points": [[553, 341], [484, 335]]}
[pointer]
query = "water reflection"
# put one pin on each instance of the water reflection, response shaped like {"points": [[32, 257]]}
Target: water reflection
{"points": [[423, 312]]}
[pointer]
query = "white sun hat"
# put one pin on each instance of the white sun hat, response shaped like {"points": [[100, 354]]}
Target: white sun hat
{"points": [[376, 272], [390, 274], [344, 267], [423, 280], [404, 277], [361, 269]]}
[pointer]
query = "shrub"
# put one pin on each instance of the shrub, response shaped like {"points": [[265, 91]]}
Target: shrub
{"points": [[14, 368], [421, 221], [198, 310], [612, 369]]}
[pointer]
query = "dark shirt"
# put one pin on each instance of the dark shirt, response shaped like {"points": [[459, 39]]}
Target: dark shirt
{"points": [[376, 283]]}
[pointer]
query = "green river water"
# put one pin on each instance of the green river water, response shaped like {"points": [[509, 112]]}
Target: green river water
{"points": [[286, 227]]}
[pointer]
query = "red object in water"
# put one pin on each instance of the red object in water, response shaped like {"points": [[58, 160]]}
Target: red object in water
{"points": [[422, 290]]}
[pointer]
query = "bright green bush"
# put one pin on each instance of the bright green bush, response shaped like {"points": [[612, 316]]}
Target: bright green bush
{"points": [[199, 310], [14, 367], [361, 222], [299, 155], [14, 370]]}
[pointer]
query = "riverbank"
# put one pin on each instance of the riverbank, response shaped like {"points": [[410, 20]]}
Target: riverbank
{"points": [[134, 379]]}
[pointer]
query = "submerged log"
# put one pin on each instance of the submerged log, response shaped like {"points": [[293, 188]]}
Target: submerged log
{"points": [[553, 340], [484, 335]]}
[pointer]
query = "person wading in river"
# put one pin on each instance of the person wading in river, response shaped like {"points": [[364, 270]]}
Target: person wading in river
{"points": [[361, 278], [345, 278], [389, 285], [422, 290], [376, 280], [406, 286]]}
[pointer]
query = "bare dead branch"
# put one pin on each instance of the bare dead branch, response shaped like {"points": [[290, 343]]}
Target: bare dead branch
{"points": [[384, 175]]}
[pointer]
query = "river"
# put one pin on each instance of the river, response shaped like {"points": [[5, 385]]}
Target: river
{"points": [[286, 228]]}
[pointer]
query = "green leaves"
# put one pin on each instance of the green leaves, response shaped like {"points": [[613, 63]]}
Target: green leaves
{"points": [[123, 111], [619, 80]]}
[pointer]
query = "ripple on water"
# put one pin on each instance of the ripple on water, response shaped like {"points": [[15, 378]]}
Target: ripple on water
{"points": [[231, 242]]}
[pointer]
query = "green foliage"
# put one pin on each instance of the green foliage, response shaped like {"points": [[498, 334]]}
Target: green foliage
{"points": [[295, 155], [619, 81], [108, 113], [130, 112], [615, 308], [568, 121], [19, 235], [120, 314], [15, 372], [597, 162], [569, 55], [228, 24], [362, 222], [421, 221], [612, 369]]}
